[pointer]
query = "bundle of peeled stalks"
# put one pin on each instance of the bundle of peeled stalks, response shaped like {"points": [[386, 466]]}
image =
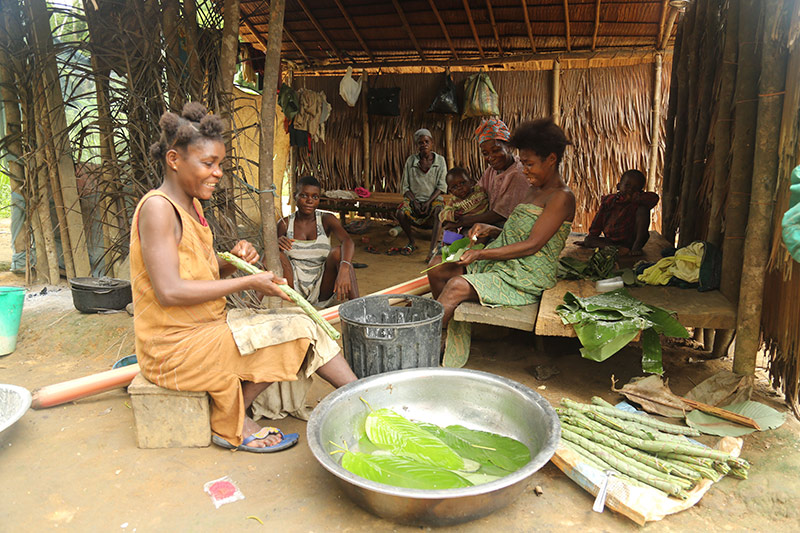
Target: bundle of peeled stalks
{"points": [[642, 450]]}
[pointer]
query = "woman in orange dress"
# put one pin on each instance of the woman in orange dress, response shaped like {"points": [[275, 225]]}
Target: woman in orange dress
{"points": [[183, 341]]}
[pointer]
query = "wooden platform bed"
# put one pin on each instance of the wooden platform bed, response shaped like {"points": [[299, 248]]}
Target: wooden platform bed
{"points": [[694, 309]]}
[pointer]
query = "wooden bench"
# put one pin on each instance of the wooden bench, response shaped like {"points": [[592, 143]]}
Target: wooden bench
{"points": [[385, 203], [694, 309]]}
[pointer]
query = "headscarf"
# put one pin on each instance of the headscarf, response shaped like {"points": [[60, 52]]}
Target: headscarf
{"points": [[492, 129], [422, 132]]}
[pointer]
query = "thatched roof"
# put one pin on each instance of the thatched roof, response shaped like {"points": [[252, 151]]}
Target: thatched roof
{"points": [[368, 33]]}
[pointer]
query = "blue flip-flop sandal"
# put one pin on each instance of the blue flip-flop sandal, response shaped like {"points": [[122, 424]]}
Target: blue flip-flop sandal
{"points": [[287, 441]]}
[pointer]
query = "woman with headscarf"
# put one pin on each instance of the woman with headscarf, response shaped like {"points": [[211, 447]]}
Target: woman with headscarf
{"points": [[504, 181], [423, 185]]}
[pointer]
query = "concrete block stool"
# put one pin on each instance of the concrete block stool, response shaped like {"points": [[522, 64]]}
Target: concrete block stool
{"points": [[169, 419]]}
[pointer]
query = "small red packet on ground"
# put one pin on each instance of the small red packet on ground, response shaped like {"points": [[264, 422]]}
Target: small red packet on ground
{"points": [[222, 491]]}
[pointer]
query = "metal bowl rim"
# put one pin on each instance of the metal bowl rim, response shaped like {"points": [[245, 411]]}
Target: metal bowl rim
{"points": [[25, 395], [537, 462]]}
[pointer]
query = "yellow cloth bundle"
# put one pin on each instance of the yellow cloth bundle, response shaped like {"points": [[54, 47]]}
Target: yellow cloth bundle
{"points": [[685, 264]]}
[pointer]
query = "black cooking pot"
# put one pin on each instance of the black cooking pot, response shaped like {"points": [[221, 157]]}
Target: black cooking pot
{"points": [[90, 295]]}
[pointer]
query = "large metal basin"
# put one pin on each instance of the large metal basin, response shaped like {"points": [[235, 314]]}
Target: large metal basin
{"points": [[443, 396]]}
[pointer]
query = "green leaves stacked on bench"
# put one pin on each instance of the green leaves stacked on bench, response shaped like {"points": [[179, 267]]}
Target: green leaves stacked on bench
{"points": [[606, 322]]}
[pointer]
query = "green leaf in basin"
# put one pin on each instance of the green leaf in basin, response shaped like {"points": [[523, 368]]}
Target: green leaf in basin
{"points": [[389, 430], [401, 472]]}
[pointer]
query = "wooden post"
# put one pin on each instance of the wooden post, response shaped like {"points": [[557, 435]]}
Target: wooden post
{"points": [[448, 141], [196, 74], [365, 134], [13, 132], [745, 117], [722, 127], [655, 126], [704, 98], [169, 27], [46, 246], [66, 167], [669, 135], [556, 96], [670, 200], [229, 52], [266, 181], [44, 139], [686, 202], [771, 85]]}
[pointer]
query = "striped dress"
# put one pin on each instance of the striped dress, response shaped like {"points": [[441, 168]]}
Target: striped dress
{"points": [[308, 261]]}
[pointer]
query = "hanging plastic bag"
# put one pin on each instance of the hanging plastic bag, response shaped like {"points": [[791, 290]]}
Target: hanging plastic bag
{"points": [[349, 89], [480, 97], [791, 219], [384, 101], [446, 101]]}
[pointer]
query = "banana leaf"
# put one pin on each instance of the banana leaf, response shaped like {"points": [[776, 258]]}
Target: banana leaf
{"points": [[389, 430], [453, 252], [401, 472], [606, 322], [488, 449]]}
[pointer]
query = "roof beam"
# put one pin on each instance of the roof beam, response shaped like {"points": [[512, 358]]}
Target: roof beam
{"points": [[321, 31], [494, 26], [596, 24], [407, 26], [355, 30], [676, 7], [252, 29], [528, 24], [566, 20], [444, 28], [472, 27], [594, 59], [664, 9]]}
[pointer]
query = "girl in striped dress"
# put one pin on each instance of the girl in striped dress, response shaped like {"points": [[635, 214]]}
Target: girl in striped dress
{"points": [[317, 271]]}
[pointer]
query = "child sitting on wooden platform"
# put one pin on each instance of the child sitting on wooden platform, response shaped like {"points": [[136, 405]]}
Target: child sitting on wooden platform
{"points": [[624, 217], [468, 198]]}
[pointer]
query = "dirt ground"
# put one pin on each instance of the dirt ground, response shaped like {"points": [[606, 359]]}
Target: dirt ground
{"points": [[76, 467]]}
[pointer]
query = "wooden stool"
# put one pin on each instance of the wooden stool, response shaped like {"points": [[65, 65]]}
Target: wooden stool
{"points": [[169, 419]]}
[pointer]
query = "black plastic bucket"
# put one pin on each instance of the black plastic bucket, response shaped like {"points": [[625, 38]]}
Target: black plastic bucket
{"points": [[378, 337]]}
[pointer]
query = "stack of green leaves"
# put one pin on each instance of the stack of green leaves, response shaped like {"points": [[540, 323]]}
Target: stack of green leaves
{"points": [[600, 266], [399, 452], [606, 322], [642, 450]]}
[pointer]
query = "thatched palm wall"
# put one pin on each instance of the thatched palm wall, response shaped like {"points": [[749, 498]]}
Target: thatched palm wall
{"points": [[605, 112]]}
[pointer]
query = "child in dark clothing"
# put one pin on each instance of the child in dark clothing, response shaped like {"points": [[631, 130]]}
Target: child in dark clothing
{"points": [[624, 217]]}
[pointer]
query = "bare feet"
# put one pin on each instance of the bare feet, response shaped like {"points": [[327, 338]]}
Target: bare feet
{"points": [[251, 427]]}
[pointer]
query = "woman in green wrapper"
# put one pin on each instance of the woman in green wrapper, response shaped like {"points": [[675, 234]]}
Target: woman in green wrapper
{"points": [[522, 261]]}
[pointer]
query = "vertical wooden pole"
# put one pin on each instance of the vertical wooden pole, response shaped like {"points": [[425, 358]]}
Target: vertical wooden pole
{"points": [[44, 138], [669, 135], [169, 27], [40, 18], [196, 74], [13, 132], [47, 247], [448, 140], [365, 133], [655, 126], [680, 74], [555, 108], [771, 85], [741, 174], [266, 182], [229, 53], [705, 104], [722, 127]]}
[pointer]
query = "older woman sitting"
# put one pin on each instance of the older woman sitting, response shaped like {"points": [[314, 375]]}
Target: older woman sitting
{"points": [[423, 185], [522, 261]]}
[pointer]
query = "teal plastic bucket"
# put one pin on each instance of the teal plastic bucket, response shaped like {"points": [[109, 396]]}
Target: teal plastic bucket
{"points": [[11, 299]]}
